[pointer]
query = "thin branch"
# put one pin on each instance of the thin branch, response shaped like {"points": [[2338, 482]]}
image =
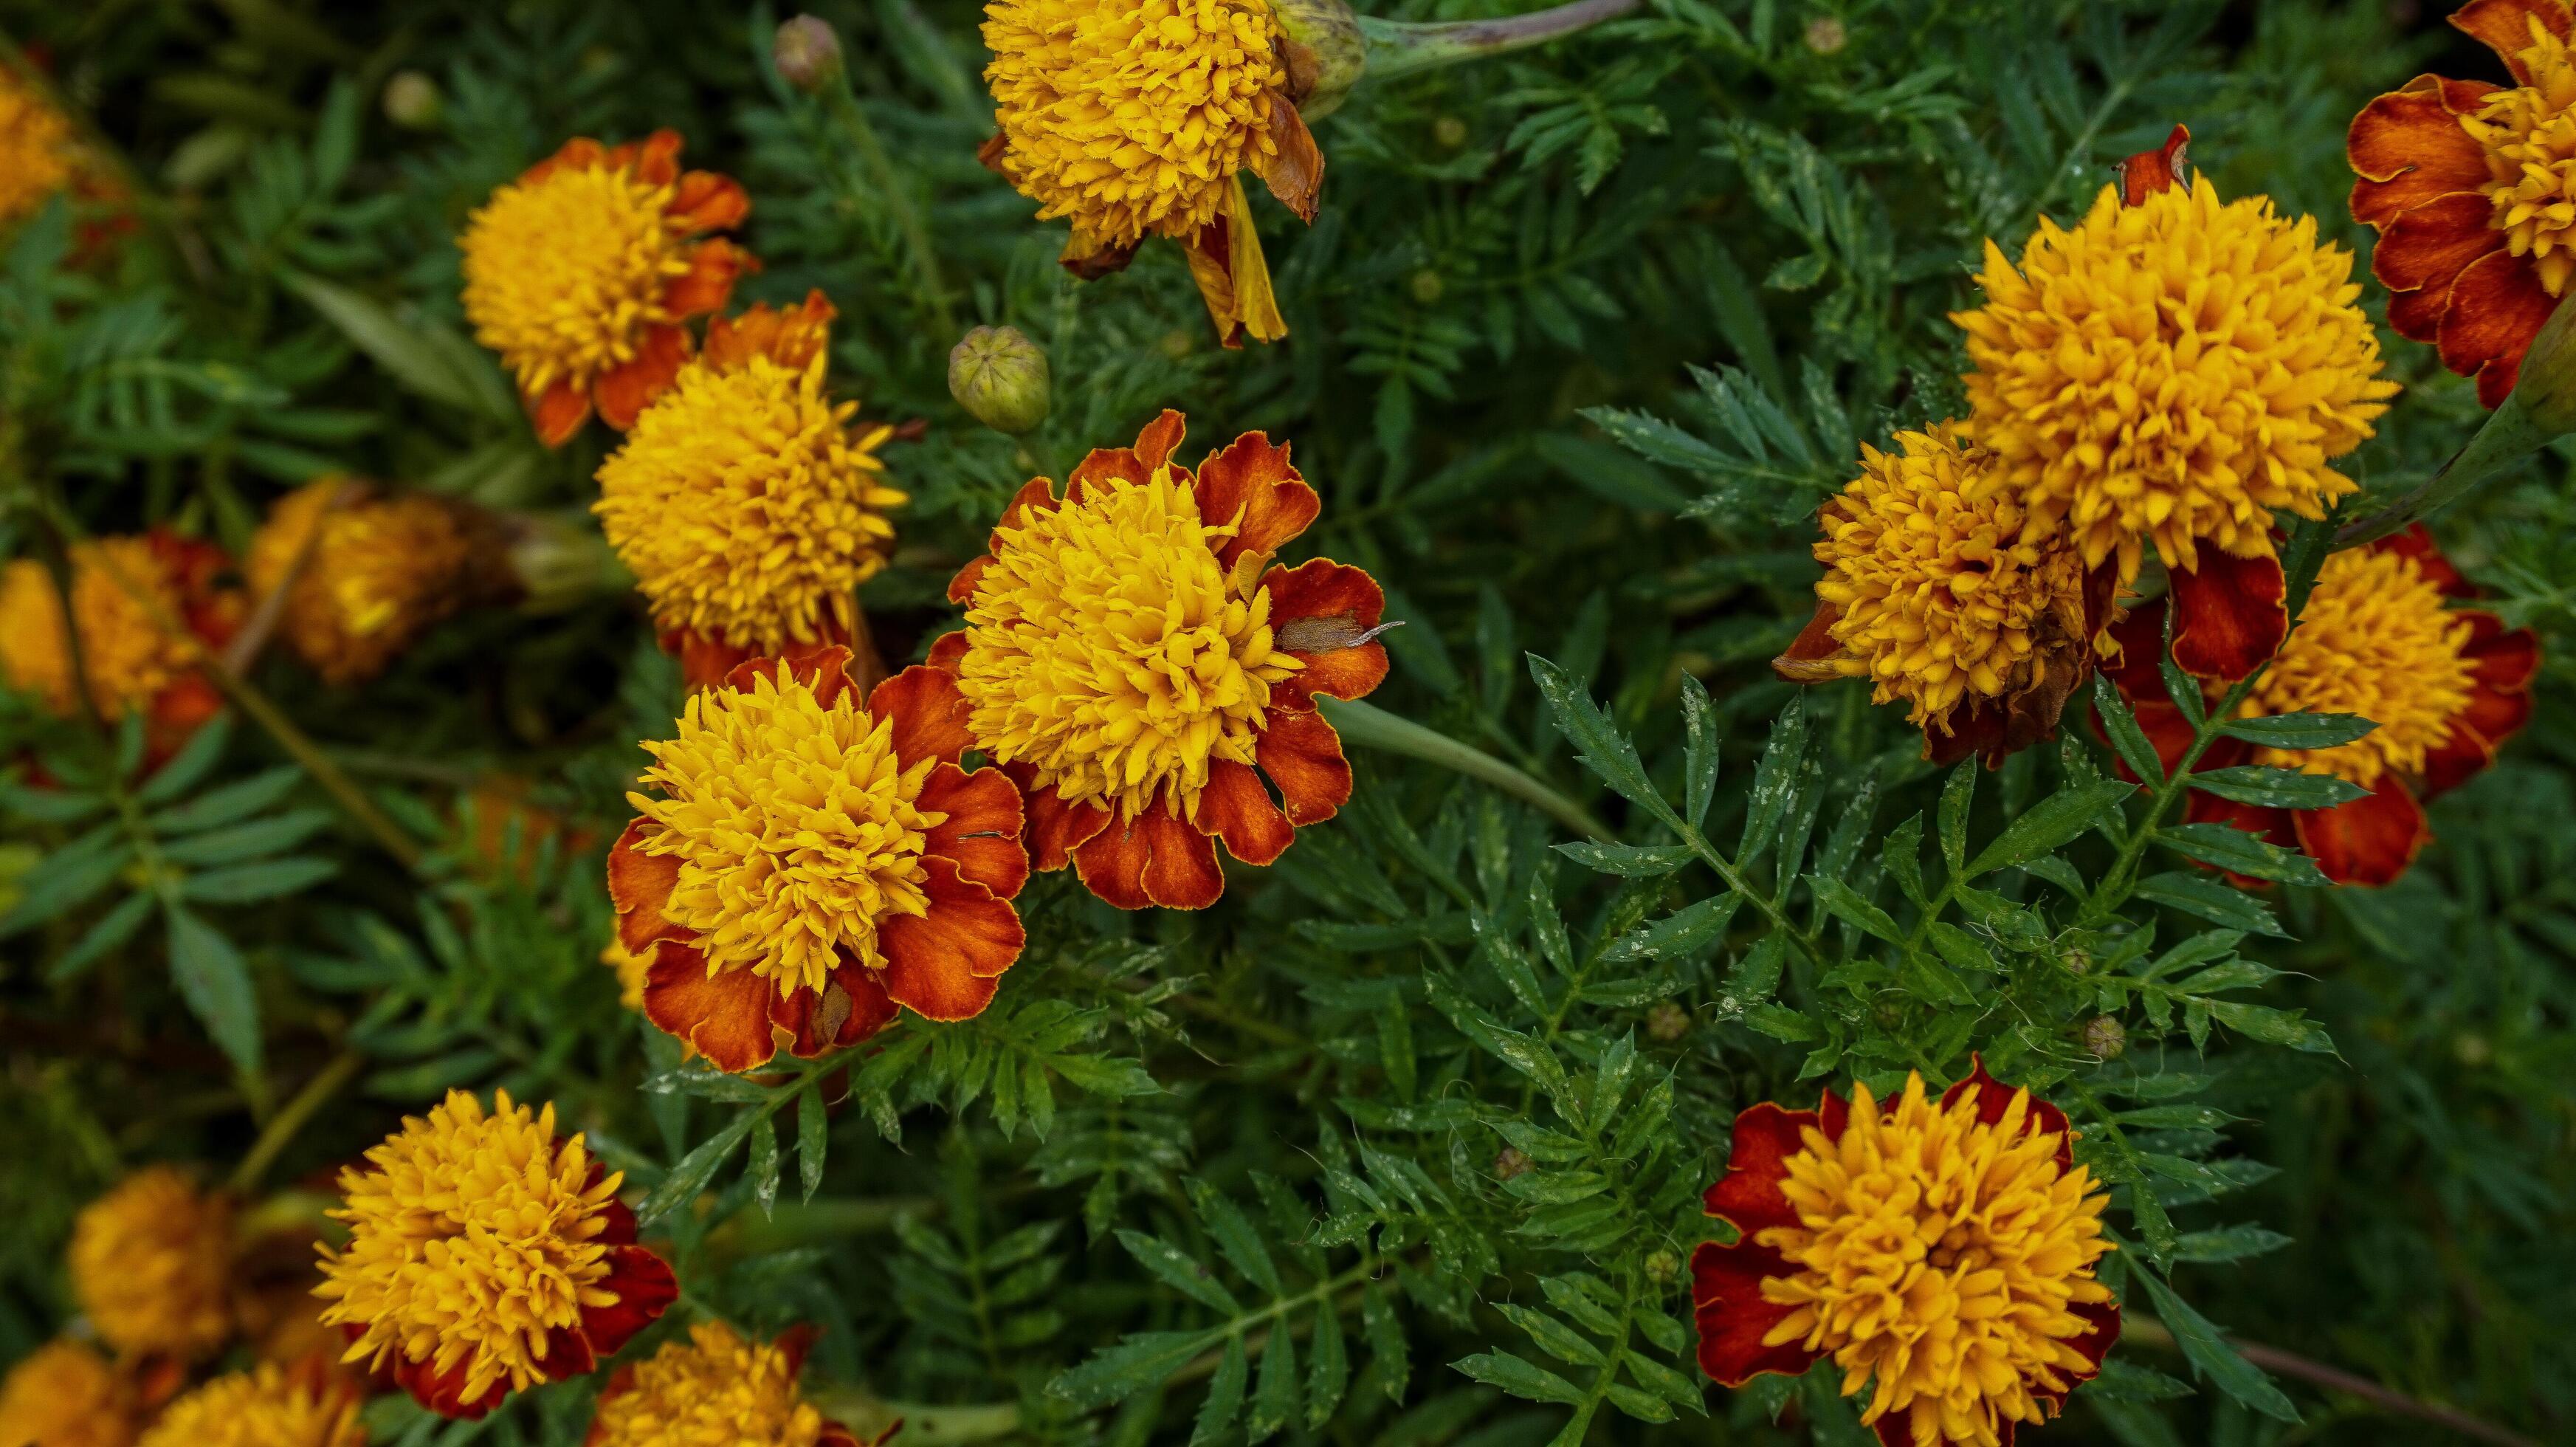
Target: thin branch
{"points": [[2148, 1331]]}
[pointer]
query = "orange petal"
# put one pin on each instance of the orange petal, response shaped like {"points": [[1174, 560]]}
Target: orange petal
{"points": [[714, 265], [1234, 277], [2148, 172], [706, 201], [2370, 840], [1236, 807], [1806, 659], [2425, 248], [1295, 172], [961, 589], [1180, 869], [949, 651], [1253, 486], [639, 885], [2229, 614], [823, 667], [558, 413], [2499, 660], [1303, 756], [444, 1392], [942, 965], [1102, 465], [657, 160], [1056, 828], [705, 660], [724, 1016], [2496, 307], [851, 1008], [982, 831], [792, 336], [1324, 613], [2417, 315], [1161, 437], [579, 153], [929, 714], [2407, 147], [2505, 27], [1111, 864], [623, 391]]}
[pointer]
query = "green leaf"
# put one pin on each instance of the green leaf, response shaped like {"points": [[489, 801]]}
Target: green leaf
{"points": [[1630, 861], [1600, 743], [1274, 1400], [1179, 1271], [251, 883], [216, 984], [2278, 788], [1774, 779], [2299, 730], [114, 928], [410, 355], [763, 1166], [696, 1168], [1673, 1386], [2049, 825], [1225, 1396], [188, 767], [1685, 931], [2211, 899], [1700, 754], [2227, 1243], [2238, 852], [1957, 794], [2276, 1027], [1329, 1372], [1520, 1378], [1386, 1342], [1235, 1236], [247, 841], [1553, 1337], [813, 1137], [233, 801], [66, 878], [1842, 903], [1113, 1374], [2208, 1351], [2127, 739]]}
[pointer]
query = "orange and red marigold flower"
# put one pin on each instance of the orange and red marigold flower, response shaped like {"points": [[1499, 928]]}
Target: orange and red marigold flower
{"points": [[125, 591], [815, 862], [718, 1387], [1941, 1254], [583, 272], [1139, 667], [2446, 686], [2472, 191]]}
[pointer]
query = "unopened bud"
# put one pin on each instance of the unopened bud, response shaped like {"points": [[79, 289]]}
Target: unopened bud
{"points": [[1427, 286], [1000, 376], [1662, 1267], [1512, 1162], [2472, 1050], [412, 101], [1667, 1021], [1825, 35], [1449, 132], [1327, 55], [807, 53], [2105, 1037]]}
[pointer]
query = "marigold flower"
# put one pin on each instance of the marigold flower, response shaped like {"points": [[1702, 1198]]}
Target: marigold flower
{"points": [[1136, 664], [486, 1254], [814, 863], [151, 1263], [2176, 372], [1942, 1255], [581, 273], [64, 1394], [747, 506], [38, 152], [1934, 591], [122, 590], [266, 1406], [1134, 119], [376, 572], [716, 1390], [2447, 686]]}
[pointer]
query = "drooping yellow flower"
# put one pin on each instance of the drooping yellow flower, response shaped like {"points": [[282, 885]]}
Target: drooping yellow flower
{"points": [[486, 1255], [151, 1262], [37, 151], [377, 572], [64, 1394], [264, 1407], [714, 1390], [748, 507], [2374, 640], [129, 657]]}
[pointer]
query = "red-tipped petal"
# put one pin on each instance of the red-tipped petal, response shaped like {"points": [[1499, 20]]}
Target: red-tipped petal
{"points": [[724, 1016], [2496, 306], [961, 589], [639, 885], [1733, 1318], [1181, 871], [705, 201], [1252, 485], [444, 1392], [2148, 172], [2229, 616], [1322, 613], [2408, 148], [2370, 840], [1303, 756], [1056, 828], [1161, 438], [1236, 807], [981, 834], [929, 714], [941, 965], [2505, 28]]}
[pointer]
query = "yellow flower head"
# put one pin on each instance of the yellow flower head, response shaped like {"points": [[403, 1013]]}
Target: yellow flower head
{"points": [[264, 1407], [747, 507], [1939, 590], [2374, 640], [2529, 135], [151, 1262], [36, 151], [1108, 649], [129, 657], [63, 1394], [376, 573], [714, 1390], [1935, 1258], [472, 1235], [2172, 372], [797, 829], [1133, 118]]}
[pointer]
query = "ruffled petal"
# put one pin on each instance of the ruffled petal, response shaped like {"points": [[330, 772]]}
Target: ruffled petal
{"points": [[2426, 248], [1056, 828], [1236, 807], [724, 1016], [929, 714], [941, 964], [1154, 858], [1251, 485], [1294, 171], [2229, 615], [623, 391], [1303, 756], [2505, 27], [2408, 147], [1233, 276], [639, 885], [2496, 306], [714, 266], [705, 201], [852, 1007], [645, 1288], [656, 158], [558, 412], [1324, 613], [1810, 655], [981, 834]]}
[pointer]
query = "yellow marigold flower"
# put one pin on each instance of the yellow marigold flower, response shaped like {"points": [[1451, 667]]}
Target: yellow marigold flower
{"points": [[64, 1394], [747, 506], [1942, 1254], [581, 273], [121, 589], [2374, 640], [37, 151], [715, 1390], [376, 572], [1935, 590], [151, 1263], [1135, 119], [264, 1407], [486, 1255]]}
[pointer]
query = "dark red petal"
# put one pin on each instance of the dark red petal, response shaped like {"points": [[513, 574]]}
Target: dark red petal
{"points": [[645, 1288], [714, 266], [1807, 655], [2496, 307], [2425, 249], [1181, 870], [982, 831], [1303, 756], [1110, 861], [444, 1392], [2229, 616], [1236, 807], [2417, 543], [1732, 1317], [2505, 27], [2370, 840], [2407, 147], [1994, 1098], [929, 714], [2499, 659], [724, 1016], [1055, 827], [1748, 1195], [942, 965]]}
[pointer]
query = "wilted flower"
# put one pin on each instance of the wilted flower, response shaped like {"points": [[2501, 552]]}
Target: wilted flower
{"points": [[748, 507], [1937, 592], [717, 1387], [151, 1263], [64, 1394], [372, 571], [2446, 687], [1000, 377], [2176, 372], [1137, 665], [1941, 1255], [814, 863], [267, 1406], [122, 590], [581, 273], [1136, 119], [486, 1255]]}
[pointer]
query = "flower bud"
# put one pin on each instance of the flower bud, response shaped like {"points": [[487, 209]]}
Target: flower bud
{"points": [[1000, 376], [1449, 133], [1667, 1021], [412, 101], [1662, 1267], [1326, 53], [1512, 1162], [1825, 35], [807, 53], [2105, 1037]]}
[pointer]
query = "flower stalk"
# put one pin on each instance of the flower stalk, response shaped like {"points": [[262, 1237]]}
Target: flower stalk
{"points": [[2511, 434], [1374, 727], [1398, 47]]}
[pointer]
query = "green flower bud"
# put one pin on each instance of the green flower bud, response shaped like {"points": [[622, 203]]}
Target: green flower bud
{"points": [[1000, 376], [1667, 1021], [807, 53], [2105, 1037], [1825, 35], [1662, 1267], [412, 100], [1327, 55]]}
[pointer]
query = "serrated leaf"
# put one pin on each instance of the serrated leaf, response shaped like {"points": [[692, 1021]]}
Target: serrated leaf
{"points": [[187, 768], [1629, 861], [1958, 793], [67, 878], [695, 1169], [2300, 730], [2049, 825], [2238, 852], [813, 1137], [241, 842], [1685, 931], [1385, 1336], [234, 801], [1842, 903], [1234, 1235], [1774, 779], [763, 1167], [114, 928], [2278, 788], [1179, 1270], [215, 982], [1113, 1374], [2127, 739], [251, 883], [1329, 1370], [1604, 749], [1700, 752], [2213, 900], [1520, 1378], [1274, 1400], [2207, 1350], [1225, 1396]]}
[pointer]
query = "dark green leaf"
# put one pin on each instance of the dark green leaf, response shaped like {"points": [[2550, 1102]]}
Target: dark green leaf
{"points": [[216, 984], [2049, 825], [2278, 788], [2299, 730], [2238, 852]]}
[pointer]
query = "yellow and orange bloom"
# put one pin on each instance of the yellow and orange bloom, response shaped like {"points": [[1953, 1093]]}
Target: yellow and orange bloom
{"points": [[1934, 592], [123, 592], [744, 501], [266, 1406], [717, 1387], [2447, 686], [486, 1254], [2472, 189], [39, 154], [151, 1264], [1942, 1255], [372, 571], [1138, 119], [583, 273], [64, 1394], [2175, 374], [1137, 665], [816, 861]]}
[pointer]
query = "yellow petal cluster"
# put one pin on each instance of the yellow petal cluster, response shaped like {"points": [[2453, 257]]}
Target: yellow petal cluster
{"points": [[36, 151], [64, 1394], [1132, 116], [377, 572], [1107, 648], [471, 1235], [1941, 592], [2529, 135], [564, 273], [747, 507], [2374, 640], [2172, 373], [714, 1390], [263, 1407], [1936, 1258], [797, 829], [128, 656], [151, 1264]]}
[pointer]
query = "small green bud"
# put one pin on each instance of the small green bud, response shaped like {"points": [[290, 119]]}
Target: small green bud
{"points": [[1662, 1267], [2472, 1050], [1449, 133], [1825, 35], [412, 100], [2105, 1037], [1667, 1021], [1426, 286], [1512, 1162], [1000, 376], [1326, 53], [807, 53]]}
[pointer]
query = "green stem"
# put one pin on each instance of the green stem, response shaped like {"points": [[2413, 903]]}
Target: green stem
{"points": [[2146, 1331], [283, 1126], [844, 106], [2508, 436], [1375, 728], [1399, 47]]}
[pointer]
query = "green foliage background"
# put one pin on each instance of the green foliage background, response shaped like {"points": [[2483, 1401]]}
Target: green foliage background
{"points": [[1580, 340]]}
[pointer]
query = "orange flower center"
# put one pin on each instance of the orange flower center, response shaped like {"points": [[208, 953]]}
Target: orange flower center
{"points": [[2374, 640], [564, 273], [2529, 134]]}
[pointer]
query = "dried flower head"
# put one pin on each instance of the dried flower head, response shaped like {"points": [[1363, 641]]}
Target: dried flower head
{"points": [[371, 572], [151, 1262], [125, 592]]}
